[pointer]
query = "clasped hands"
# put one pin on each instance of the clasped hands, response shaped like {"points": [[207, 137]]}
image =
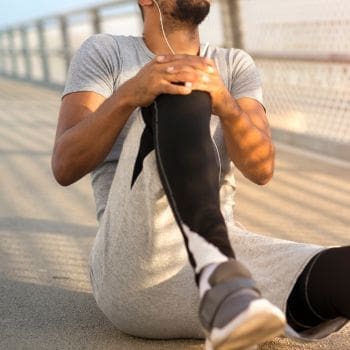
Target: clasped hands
{"points": [[164, 73]]}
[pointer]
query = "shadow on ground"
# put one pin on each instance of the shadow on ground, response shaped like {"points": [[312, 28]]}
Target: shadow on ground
{"points": [[48, 317], [46, 232]]}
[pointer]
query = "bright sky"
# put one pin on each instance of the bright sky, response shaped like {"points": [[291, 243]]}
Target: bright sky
{"points": [[16, 11]]}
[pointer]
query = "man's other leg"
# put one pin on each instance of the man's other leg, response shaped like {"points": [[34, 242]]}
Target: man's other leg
{"points": [[322, 290]]}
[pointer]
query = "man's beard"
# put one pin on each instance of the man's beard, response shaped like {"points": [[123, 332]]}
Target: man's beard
{"points": [[191, 12]]}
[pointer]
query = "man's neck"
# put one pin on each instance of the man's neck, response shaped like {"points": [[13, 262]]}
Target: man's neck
{"points": [[182, 41]]}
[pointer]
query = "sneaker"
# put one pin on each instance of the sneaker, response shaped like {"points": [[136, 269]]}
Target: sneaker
{"points": [[233, 314]]}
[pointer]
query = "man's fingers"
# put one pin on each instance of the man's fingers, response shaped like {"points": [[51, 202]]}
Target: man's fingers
{"points": [[186, 73], [174, 89], [184, 76], [194, 77], [210, 62], [170, 58], [177, 68], [181, 74], [205, 64]]}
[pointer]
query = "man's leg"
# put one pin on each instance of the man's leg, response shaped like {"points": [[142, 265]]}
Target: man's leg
{"points": [[232, 310], [322, 290], [189, 173]]}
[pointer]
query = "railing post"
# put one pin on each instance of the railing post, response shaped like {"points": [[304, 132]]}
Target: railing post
{"points": [[230, 10], [237, 24], [2, 53], [13, 54], [96, 20], [226, 23], [65, 41], [43, 51], [26, 53]]}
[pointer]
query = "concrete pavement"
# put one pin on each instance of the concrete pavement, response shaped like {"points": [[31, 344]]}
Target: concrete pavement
{"points": [[46, 232]]}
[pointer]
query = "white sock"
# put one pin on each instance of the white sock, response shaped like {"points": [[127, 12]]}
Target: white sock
{"points": [[204, 278]]}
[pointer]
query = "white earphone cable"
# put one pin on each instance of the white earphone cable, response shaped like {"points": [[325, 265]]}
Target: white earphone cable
{"points": [[162, 26], [173, 52], [218, 153]]}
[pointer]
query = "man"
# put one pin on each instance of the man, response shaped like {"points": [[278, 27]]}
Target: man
{"points": [[159, 107]]}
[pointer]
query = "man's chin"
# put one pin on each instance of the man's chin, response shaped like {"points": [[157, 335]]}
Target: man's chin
{"points": [[191, 12]]}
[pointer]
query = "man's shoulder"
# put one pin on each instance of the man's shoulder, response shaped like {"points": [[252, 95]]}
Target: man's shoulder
{"points": [[227, 52], [232, 57], [110, 46], [108, 39]]}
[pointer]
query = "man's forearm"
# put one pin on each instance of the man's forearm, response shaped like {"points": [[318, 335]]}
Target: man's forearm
{"points": [[84, 146], [249, 147]]}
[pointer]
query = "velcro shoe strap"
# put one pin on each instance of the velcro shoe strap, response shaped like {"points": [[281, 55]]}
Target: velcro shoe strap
{"points": [[217, 294]]}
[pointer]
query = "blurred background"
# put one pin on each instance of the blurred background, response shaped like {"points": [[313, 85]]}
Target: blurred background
{"points": [[302, 49]]}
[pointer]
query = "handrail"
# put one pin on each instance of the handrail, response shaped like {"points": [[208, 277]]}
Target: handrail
{"points": [[322, 57], [9, 56], [71, 13], [46, 63], [12, 52]]}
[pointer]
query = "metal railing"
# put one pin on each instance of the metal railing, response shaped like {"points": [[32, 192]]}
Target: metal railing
{"points": [[15, 45], [26, 49], [304, 63]]}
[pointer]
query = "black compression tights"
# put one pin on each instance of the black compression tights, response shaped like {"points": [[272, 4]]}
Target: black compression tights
{"points": [[187, 166], [322, 291]]}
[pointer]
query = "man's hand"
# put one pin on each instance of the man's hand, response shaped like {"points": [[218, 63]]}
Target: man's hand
{"points": [[165, 73], [151, 81], [246, 130], [200, 74]]}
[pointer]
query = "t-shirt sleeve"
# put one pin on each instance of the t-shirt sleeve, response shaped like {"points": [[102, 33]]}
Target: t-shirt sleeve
{"points": [[93, 66], [246, 79]]}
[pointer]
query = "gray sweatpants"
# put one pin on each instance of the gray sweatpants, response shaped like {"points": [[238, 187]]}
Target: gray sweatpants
{"points": [[140, 273]]}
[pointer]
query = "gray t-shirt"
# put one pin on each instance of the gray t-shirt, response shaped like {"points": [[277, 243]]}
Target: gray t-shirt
{"points": [[105, 61]]}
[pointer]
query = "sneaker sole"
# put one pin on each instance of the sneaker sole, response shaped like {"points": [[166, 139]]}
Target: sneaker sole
{"points": [[259, 323]]}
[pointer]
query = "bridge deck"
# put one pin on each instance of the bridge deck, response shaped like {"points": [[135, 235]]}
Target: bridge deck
{"points": [[46, 231]]}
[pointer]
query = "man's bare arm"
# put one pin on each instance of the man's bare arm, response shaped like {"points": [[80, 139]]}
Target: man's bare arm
{"points": [[89, 124], [248, 139], [246, 130], [87, 128]]}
